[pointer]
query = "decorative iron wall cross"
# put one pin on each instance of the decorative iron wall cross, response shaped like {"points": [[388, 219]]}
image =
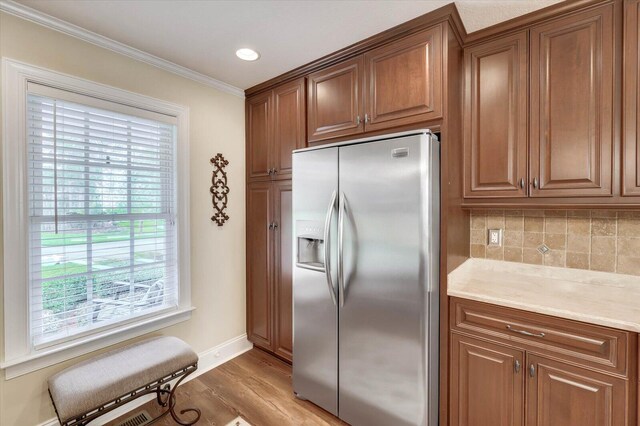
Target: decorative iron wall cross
{"points": [[219, 189]]}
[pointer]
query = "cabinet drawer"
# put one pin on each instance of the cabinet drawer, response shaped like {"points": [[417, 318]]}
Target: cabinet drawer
{"points": [[599, 347]]}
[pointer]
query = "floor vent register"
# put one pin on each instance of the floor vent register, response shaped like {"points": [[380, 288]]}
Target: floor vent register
{"points": [[140, 419]]}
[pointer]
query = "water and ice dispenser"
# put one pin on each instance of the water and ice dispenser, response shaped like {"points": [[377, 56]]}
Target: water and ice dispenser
{"points": [[310, 245]]}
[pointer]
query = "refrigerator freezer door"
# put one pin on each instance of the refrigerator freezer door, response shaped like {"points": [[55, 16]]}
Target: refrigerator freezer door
{"points": [[389, 203], [315, 314]]}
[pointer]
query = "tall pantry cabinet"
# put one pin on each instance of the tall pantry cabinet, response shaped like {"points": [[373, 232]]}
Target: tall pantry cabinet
{"points": [[275, 127]]}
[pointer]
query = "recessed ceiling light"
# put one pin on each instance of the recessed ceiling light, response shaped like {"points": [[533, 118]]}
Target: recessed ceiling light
{"points": [[247, 54]]}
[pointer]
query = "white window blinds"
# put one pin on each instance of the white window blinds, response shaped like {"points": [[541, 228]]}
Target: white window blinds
{"points": [[102, 234]]}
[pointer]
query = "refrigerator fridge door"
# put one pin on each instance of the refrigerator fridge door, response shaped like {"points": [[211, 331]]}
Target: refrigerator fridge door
{"points": [[388, 237], [315, 313]]}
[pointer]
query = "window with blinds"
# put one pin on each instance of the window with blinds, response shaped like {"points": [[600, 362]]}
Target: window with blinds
{"points": [[102, 234]]}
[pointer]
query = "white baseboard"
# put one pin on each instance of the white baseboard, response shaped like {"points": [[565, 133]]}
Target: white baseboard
{"points": [[209, 359]]}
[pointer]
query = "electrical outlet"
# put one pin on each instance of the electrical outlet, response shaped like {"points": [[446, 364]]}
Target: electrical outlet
{"points": [[495, 238]]}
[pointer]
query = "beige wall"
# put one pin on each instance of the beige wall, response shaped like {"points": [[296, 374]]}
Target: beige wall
{"points": [[217, 254]]}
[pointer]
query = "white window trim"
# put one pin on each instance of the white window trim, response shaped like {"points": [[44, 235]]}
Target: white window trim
{"points": [[19, 355]]}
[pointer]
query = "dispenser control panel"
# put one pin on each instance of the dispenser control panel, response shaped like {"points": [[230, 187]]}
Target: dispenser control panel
{"points": [[310, 229]]}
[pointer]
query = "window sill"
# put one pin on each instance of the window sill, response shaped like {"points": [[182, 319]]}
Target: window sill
{"points": [[63, 352]]}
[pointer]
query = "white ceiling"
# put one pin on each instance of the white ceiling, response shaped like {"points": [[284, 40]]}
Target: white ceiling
{"points": [[204, 35]]}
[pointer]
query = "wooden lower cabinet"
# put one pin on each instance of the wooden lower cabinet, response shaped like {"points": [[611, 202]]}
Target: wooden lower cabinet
{"points": [[259, 264], [559, 394], [487, 386], [283, 272], [269, 267], [519, 376]]}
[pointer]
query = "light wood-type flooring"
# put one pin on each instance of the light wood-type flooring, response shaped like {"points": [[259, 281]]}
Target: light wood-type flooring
{"points": [[255, 385]]}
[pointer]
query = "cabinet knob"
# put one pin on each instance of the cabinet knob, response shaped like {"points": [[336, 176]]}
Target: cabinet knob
{"points": [[521, 183], [275, 225], [535, 182], [271, 226], [516, 366], [532, 370], [358, 120], [366, 118], [275, 171]]}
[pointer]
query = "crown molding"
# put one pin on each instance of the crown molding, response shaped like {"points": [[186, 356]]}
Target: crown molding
{"points": [[24, 12]]}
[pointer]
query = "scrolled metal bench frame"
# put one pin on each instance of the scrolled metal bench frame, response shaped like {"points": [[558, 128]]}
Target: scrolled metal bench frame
{"points": [[159, 387]]}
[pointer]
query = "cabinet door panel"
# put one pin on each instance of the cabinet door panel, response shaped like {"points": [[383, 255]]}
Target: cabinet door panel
{"points": [[283, 272], [631, 93], [561, 394], [335, 99], [495, 118], [486, 390], [572, 69], [403, 81], [259, 264], [259, 135], [289, 124]]}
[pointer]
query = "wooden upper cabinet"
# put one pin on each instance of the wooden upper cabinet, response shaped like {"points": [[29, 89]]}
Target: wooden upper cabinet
{"points": [[403, 81], [335, 101], [495, 118], [259, 264], [259, 135], [562, 394], [572, 97], [275, 127], [487, 383], [631, 94], [397, 84], [283, 342], [289, 124]]}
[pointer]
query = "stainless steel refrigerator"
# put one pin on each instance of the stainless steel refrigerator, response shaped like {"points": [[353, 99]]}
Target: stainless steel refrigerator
{"points": [[365, 281]]}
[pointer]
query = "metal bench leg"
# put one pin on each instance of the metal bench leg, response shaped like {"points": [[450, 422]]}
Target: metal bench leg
{"points": [[172, 404], [162, 390]]}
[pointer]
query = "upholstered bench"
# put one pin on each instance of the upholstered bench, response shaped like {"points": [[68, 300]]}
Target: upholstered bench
{"points": [[86, 391]]}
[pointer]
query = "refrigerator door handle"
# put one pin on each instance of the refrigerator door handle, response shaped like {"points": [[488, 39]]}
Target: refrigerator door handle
{"points": [[327, 247], [341, 210]]}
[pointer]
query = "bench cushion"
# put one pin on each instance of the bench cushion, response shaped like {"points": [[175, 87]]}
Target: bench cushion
{"points": [[97, 381]]}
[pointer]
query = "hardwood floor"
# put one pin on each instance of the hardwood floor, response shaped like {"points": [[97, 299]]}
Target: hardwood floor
{"points": [[255, 385]]}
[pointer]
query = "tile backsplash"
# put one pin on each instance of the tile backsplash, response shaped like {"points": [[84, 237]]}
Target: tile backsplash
{"points": [[599, 240]]}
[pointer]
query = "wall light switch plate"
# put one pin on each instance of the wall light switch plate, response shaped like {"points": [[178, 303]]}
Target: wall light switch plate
{"points": [[495, 238]]}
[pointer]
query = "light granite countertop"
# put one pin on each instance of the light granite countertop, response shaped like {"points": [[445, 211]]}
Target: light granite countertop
{"points": [[611, 300]]}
